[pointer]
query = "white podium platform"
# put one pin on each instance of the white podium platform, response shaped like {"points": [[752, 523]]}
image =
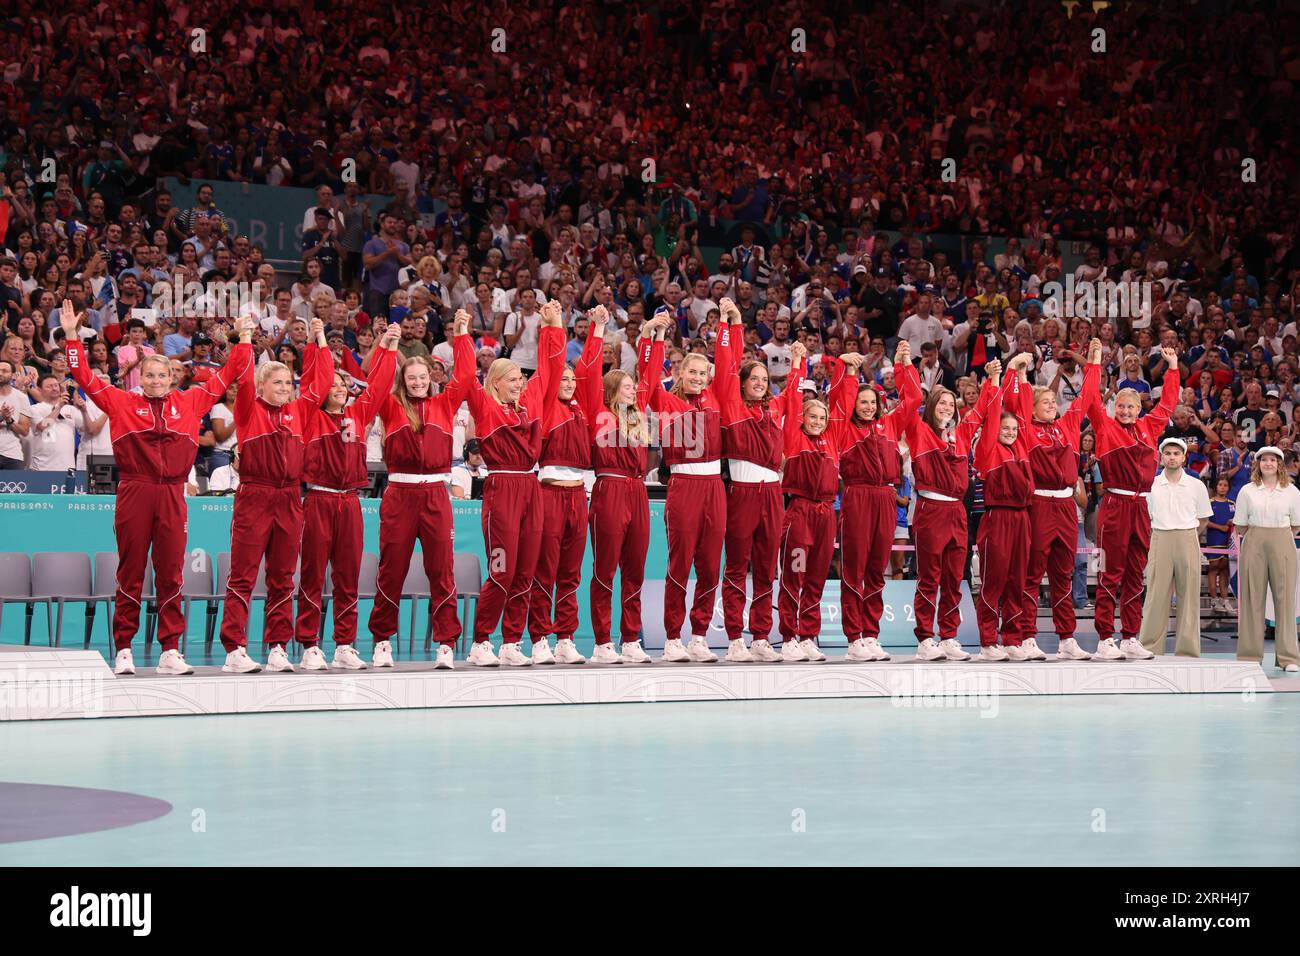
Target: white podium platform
{"points": [[45, 684]]}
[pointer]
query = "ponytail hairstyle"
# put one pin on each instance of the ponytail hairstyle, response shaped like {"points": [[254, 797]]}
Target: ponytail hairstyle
{"points": [[629, 419], [403, 397]]}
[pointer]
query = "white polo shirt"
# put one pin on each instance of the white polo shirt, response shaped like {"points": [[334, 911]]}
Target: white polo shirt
{"points": [[1178, 507], [1260, 507]]}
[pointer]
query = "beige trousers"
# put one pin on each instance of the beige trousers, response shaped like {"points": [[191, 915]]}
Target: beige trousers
{"points": [[1267, 562], [1174, 564]]}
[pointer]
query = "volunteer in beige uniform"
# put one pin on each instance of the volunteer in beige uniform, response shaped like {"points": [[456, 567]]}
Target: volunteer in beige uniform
{"points": [[1267, 519], [1179, 505]]}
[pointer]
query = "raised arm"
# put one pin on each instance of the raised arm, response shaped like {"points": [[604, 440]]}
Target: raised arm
{"points": [[591, 384], [844, 387], [101, 393], [382, 373], [1159, 416], [971, 423], [726, 375], [462, 362], [650, 362], [908, 381], [543, 389], [206, 394], [988, 453], [317, 367]]}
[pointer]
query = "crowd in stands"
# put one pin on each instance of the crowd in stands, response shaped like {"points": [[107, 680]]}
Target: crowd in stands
{"points": [[586, 160]]}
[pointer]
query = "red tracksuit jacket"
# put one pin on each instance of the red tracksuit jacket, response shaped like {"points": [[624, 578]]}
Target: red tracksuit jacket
{"points": [[1127, 453], [869, 453], [428, 451], [157, 439], [1054, 457], [940, 466], [751, 431], [272, 442], [336, 443], [1005, 469], [812, 464], [690, 430], [566, 436], [611, 453]]}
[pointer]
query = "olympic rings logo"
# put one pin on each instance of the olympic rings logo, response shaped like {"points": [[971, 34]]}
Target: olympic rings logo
{"points": [[13, 487]]}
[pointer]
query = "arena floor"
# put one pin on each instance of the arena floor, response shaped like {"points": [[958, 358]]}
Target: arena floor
{"points": [[1111, 780]]}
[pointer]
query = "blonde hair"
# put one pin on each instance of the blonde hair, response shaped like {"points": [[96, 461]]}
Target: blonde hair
{"points": [[679, 387], [270, 368], [1131, 393], [1257, 474], [498, 370], [629, 418], [400, 394], [430, 260], [157, 358]]}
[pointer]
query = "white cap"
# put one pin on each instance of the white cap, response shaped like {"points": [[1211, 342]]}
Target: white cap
{"points": [[1271, 450], [1174, 441]]}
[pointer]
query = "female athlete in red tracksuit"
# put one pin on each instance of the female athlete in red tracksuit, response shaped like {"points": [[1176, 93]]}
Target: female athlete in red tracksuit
{"points": [[754, 445], [941, 473], [332, 526], [416, 505], [563, 463], [155, 439], [1053, 515], [1004, 536], [811, 478], [1126, 453], [872, 470], [615, 411], [695, 514], [507, 420], [267, 520]]}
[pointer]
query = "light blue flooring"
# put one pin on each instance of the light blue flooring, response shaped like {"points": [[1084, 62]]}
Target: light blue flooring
{"points": [[1108, 781]]}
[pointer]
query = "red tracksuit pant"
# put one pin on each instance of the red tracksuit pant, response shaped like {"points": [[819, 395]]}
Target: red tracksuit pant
{"points": [[940, 534], [1054, 524], [755, 516], [267, 523], [807, 546], [512, 536], [554, 595], [407, 513], [869, 516], [1124, 537], [149, 515], [1003, 543], [695, 517], [331, 535], [620, 538]]}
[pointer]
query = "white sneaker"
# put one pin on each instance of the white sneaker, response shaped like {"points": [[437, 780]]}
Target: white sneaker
{"points": [[1133, 650], [513, 655], [383, 656], [238, 662], [446, 658], [928, 650], [674, 652], [172, 664], [762, 650], [1069, 650], [989, 653], [812, 651], [858, 651], [1016, 654], [634, 653], [952, 650], [278, 661], [1230, 605], [792, 651], [877, 652], [124, 663], [314, 660], [346, 658], [1216, 606], [605, 654], [738, 653], [1033, 651], [542, 653], [1291, 669], [481, 655], [1108, 650], [566, 652], [698, 649]]}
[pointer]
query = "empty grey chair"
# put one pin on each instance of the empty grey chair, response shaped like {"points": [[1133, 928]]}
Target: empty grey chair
{"points": [[16, 586], [469, 579], [196, 585], [59, 577], [103, 590], [415, 586]]}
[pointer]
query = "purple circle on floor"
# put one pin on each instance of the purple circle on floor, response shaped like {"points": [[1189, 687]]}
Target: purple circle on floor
{"points": [[36, 811]]}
